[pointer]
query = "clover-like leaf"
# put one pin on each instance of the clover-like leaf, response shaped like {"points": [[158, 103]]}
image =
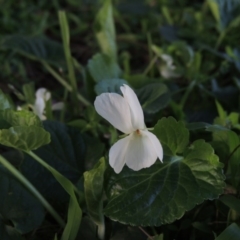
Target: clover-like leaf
{"points": [[24, 138], [173, 135], [20, 118], [162, 193]]}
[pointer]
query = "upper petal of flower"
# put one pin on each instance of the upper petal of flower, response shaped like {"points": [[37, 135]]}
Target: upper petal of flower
{"points": [[141, 152], [167, 58], [39, 107], [43, 93], [135, 107], [115, 109], [117, 154]]}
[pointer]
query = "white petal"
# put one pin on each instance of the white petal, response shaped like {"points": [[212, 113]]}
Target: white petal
{"points": [[135, 107], [39, 107], [156, 144], [58, 106], [43, 93], [117, 154], [115, 109], [141, 152], [167, 58]]}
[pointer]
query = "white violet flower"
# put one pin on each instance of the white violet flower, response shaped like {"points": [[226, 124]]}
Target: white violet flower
{"points": [[42, 96], [140, 148], [168, 69]]}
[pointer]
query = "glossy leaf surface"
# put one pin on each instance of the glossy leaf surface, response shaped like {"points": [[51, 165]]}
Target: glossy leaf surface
{"points": [[162, 193]]}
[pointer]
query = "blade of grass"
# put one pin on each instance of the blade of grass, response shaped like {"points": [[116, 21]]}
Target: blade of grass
{"points": [[66, 46], [186, 94], [74, 210]]}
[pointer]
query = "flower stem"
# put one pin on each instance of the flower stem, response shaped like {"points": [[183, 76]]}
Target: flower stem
{"points": [[151, 64], [101, 230]]}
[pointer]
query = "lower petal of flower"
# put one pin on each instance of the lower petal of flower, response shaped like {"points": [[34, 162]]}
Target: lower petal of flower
{"points": [[141, 152], [117, 154], [156, 144]]}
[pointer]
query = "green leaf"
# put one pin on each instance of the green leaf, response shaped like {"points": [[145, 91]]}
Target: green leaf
{"points": [[197, 126], [215, 10], [65, 153], [127, 233], [37, 48], [234, 118], [8, 232], [102, 67], [109, 85], [225, 12], [173, 135], [93, 188], [29, 92], [73, 146], [231, 232], [24, 138], [18, 205], [232, 202], [153, 97], [87, 229], [4, 102], [20, 118], [95, 150], [162, 193], [222, 114], [202, 226], [231, 140], [158, 237], [105, 30]]}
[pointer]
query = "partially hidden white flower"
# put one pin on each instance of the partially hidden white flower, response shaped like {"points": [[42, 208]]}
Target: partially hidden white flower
{"points": [[42, 96], [168, 69], [140, 148]]}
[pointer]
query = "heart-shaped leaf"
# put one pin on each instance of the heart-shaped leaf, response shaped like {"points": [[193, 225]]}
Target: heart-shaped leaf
{"points": [[153, 97], [173, 135], [65, 153], [38, 48], [102, 67], [109, 85], [163, 192]]}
